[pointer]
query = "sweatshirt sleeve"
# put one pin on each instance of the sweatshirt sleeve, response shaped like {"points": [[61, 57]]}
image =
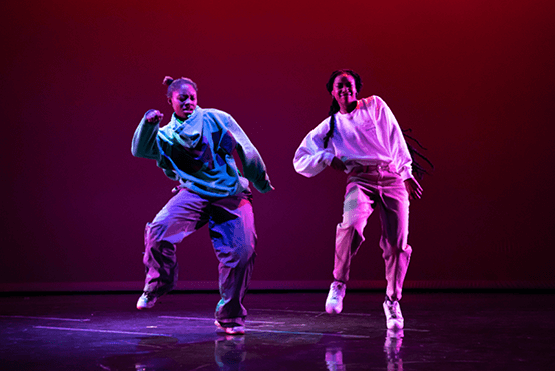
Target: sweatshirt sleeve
{"points": [[253, 166], [398, 147], [311, 157], [144, 141]]}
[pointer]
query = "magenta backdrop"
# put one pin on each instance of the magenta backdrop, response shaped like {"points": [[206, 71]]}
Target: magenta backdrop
{"points": [[473, 79]]}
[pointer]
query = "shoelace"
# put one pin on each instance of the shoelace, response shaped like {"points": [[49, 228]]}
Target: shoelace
{"points": [[335, 293], [392, 310]]}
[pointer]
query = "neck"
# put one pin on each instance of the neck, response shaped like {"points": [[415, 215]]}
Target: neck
{"points": [[181, 119], [348, 108]]}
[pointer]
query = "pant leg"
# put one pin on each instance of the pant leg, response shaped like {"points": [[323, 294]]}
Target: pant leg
{"points": [[394, 216], [234, 238], [357, 207], [182, 215]]}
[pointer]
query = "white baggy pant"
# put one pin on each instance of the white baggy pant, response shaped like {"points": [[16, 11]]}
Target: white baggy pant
{"points": [[368, 188]]}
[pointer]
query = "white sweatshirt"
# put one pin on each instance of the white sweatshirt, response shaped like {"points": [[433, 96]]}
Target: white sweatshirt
{"points": [[368, 134]]}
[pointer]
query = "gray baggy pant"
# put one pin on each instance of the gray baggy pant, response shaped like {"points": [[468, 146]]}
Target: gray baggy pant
{"points": [[368, 188], [231, 225]]}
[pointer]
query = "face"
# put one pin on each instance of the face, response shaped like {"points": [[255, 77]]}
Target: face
{"points": [[344, 90], [183, 101]]}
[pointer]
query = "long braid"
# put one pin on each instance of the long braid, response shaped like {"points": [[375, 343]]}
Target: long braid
{"points": [[334, 105], [417, 169], [333, 110]]}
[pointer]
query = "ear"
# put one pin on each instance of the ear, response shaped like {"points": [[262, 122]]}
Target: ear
{"points": [[170, 101]]}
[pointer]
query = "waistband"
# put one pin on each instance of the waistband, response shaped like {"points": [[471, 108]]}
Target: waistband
{"points": [[372, 167]]}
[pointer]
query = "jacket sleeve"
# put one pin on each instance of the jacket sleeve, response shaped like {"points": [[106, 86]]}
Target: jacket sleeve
{"points": [[397, 145], [144, 141], [311, 157], [253, 166]]}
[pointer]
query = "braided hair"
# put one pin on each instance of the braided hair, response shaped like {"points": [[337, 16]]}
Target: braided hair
{"points": [[175, 84], [417, 169], [334, 108]]}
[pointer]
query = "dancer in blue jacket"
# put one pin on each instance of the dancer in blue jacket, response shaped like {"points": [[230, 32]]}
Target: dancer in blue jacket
{"points": [[196, 149]]}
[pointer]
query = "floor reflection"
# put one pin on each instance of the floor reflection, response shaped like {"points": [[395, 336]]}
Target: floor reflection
{"points": [[97, 332], [334, 359], [392, 348], [230, 352], [161, 353], [340, 355]]}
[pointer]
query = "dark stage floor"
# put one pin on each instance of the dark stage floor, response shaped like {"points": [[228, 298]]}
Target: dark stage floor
{"points": [[285, 331]]}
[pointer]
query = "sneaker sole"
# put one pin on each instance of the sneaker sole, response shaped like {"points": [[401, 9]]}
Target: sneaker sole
{"points": [[332, 310], [147, 305], [395, 326], [237, 330]]}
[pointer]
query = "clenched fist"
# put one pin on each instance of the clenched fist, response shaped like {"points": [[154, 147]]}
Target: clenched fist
{"points": [[154, 116]]}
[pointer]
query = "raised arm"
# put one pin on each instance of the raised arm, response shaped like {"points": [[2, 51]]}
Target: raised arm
{"points": [[144, 140]]}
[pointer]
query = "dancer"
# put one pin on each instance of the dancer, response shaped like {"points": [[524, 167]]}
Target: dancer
{"points": [[362, 138], [196, 148]]}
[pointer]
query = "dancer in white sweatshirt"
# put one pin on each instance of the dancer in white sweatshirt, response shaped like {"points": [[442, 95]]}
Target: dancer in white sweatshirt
{"points": [[363, 139]]}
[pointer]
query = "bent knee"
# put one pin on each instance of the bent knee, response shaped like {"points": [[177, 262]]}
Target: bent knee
{"points": [[158, 232], [238, 256], [396, 250], [357, 224], [154, 231], [244, 254]]}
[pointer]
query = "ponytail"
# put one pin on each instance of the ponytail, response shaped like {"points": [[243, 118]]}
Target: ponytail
{"points": [[168, 80]]}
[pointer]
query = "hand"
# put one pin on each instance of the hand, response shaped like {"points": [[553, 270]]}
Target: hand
{"points": [[154, 116], [413, 188], [337, 164]]}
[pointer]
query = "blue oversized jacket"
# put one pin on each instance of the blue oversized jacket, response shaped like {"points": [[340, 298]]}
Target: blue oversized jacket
{"points": [[199, 153]]}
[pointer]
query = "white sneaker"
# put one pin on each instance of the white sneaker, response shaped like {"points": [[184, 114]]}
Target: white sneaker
{"points": [[146, 301], [393, 316], [231, 330], [334, 302]]}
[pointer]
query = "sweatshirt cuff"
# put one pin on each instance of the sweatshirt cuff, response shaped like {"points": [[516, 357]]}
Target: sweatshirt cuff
{"points": [[405, 173], [264, 187], [327, 157]]}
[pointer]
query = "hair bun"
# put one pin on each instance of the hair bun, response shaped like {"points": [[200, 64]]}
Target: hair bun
{"points": [[168, 80]]}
